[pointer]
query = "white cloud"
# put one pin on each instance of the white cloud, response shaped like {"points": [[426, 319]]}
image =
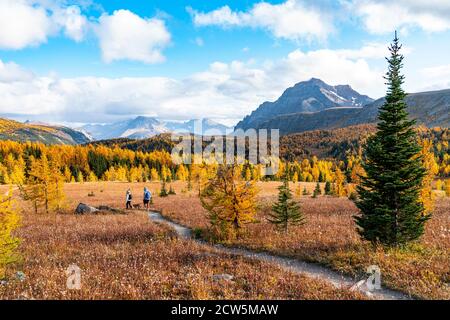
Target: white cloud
{"points": [[11, 72], [293, 19], [75, 24], [436, 78], [439, 71], [383, 16], [223, 91], [122, 35], [125, 35], [22, 24], [369, 51], [25, 23]]}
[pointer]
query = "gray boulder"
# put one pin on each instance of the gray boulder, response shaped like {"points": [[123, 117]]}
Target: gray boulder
{"points": [[85, 209], [108, 209]]}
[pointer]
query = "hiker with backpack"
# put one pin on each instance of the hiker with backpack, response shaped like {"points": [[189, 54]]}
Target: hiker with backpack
{"points": [[129, 197], [147, 197]]}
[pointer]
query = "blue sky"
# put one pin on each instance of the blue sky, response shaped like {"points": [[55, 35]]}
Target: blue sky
{"points": [[107, 60], [184, 55]]}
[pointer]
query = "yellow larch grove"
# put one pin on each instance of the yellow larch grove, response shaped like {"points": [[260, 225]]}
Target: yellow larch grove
{"points": [[9, 222]]}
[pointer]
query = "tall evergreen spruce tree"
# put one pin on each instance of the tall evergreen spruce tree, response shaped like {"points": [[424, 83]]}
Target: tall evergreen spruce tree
{"points": [[286, 211], [391, 211]]}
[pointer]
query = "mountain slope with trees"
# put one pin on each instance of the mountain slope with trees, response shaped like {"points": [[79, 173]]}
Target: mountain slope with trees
{"points": [[18, 131], [431, 109]]}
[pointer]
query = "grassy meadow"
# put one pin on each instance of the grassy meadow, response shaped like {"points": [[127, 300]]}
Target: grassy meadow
{"points": [[330, 238], [127, 256], [130, 257]]}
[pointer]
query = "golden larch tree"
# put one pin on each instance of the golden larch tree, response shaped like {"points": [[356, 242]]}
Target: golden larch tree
{"points": [[154, 175], [439, 185], [230, 202], [182, 173], [9, 222], [45, 185], [199, 175], [56, 195], [427, 196], [339, 179], [447, 187]]}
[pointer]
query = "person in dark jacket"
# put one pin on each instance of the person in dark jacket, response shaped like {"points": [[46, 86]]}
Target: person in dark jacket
{"points": [[128, 199]]}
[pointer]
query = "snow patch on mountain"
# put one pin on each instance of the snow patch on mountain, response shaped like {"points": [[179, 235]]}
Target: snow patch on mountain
{"points": [[146, 127]]}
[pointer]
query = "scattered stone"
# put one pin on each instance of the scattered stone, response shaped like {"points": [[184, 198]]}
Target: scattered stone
{"points": [[85, 209], [223, 276], [20, 276], [104, 208], [108, 209]]}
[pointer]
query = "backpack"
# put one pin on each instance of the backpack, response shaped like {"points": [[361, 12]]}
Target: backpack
{"points": [[147, 195], [130, 197]]}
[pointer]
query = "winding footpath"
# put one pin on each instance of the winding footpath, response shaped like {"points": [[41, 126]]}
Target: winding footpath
{"points": [[309, 269]]}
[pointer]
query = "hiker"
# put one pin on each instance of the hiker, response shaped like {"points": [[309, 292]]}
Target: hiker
{"points": [[147, 197], [128, 199]]}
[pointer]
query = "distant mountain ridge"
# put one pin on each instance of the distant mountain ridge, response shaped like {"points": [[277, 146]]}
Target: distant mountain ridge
{"points": [[37, 132], [309, 96], [145, 127], [431, 109], [137, 128]]}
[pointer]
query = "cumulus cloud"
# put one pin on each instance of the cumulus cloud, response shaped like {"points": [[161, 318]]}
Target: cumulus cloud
{"points": [[11, 72], [125, 35], [121, 35], [292, 19], [222, 91], [25, 23], [369, 51], [382, 16], [75, 24], [22, 24]]}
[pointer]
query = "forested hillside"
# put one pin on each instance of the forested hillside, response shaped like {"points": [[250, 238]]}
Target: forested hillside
{"points": [[17, 131], [335, 144], [312, 156], [314, 105]]}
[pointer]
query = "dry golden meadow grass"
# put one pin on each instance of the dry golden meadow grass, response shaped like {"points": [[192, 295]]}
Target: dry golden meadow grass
{"points": [[330, 238], [130, 257]]}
